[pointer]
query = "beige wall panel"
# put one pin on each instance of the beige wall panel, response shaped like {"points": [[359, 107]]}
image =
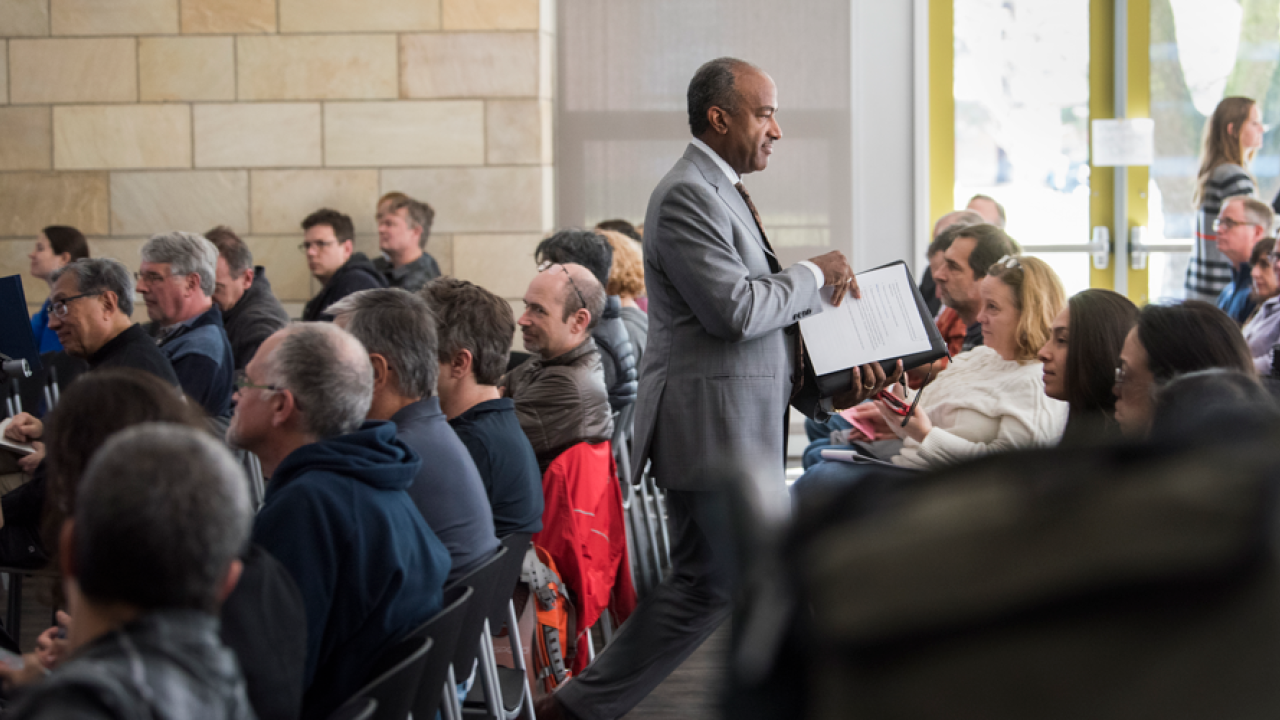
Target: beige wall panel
{"points": [[514, 132], [127, 251], [404, 133], [490, 14], [323, 67], [456, 65], [359, 15], [187, 68], [228, 16], [441, 248], [286, 265], [476, 200], [26, 138], [145, 203], [114, 17], [73, 70], [4, 72], [24, 18], [33, 200], [473, 259], [13, 261], [280, 199], [121, 136], [257, 135]]}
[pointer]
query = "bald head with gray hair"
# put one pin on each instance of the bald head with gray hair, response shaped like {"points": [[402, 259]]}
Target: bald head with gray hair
{"points": [[328, 371], [186, 253]]}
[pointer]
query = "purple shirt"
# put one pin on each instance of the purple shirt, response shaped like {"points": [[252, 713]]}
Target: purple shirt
{"points": [[1263, 332]]}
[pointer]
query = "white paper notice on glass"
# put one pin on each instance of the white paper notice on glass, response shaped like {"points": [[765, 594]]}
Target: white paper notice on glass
{"points": [[884, 324]]}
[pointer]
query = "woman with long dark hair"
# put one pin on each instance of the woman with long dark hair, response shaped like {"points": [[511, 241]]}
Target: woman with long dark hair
{"points": [[1080, 361]]}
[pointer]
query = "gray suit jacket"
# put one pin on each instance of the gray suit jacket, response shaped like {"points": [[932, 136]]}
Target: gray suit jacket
{"points": [[716, 376]]}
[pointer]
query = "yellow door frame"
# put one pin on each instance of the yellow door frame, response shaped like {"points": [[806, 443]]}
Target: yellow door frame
{"points": [[1102, 104]]}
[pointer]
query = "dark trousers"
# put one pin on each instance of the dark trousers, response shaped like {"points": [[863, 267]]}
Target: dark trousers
{"points": [[672, 621]]}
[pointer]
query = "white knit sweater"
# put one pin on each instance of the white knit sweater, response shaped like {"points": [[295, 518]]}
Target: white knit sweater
{"points": [[983, 403]]}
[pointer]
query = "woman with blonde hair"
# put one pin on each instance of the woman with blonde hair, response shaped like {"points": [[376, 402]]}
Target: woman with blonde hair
{"points": [[990, 398], [1232, 137], [626, 280]]}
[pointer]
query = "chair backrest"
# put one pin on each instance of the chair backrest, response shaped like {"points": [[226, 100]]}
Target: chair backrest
{"points": [[517, 544], [443, 630], [357, 708], [482, 580], [397, 688]]}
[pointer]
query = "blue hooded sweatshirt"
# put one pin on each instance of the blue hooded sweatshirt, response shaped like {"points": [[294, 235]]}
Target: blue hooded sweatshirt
{"points": [[337, 516]]}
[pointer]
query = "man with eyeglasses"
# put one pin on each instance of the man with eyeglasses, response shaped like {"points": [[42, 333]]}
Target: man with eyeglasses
{"points": [[90, 308], [1241, 223], [176, 279], [329, 244], [559, 393]]}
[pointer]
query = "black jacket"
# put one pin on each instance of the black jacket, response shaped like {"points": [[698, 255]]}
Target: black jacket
{"points": [[254, 318], [356, 275], [617, 355]]}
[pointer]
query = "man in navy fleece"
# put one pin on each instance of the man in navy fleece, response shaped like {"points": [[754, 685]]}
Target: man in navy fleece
{"points": [[336, 513]]}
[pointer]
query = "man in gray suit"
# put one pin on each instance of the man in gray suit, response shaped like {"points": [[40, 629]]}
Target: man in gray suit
{"points": [[721, 366]]}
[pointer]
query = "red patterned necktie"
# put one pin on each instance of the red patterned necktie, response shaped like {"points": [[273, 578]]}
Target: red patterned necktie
{"points": [[755, 215]]}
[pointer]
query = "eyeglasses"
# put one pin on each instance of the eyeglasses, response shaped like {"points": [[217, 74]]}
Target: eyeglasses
{"points": [[1273, 257], [317, 244], [243, 383], [547, 265], [59, 307], [150, 278], [1226, 224], [1120, 376]]}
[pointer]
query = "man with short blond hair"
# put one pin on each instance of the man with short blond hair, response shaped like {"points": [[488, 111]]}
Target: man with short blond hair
{"points": [[404, 225]]}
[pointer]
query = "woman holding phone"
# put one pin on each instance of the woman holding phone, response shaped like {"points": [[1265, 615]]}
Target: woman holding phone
{"points": [[990, 398]]}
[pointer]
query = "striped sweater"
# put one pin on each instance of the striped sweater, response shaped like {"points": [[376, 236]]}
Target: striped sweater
{"points": [[1209, 270]]}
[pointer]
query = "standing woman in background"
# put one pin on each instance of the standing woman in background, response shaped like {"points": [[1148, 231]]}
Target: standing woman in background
{"points": [[56, 246], [1232, 137]]}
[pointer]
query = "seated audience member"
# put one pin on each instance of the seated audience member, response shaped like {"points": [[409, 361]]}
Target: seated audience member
{"points": [[620, 226], [176, 280], [1080, 361], [399, 333], [1241, 223], [336, 513], [1262, 329], [56, 246], [404, 225], [1171, 340], [262, 620], [990, 210], [331, 257], [1210, 406], [990, 398], [475, 329], [929, 288], [89, 308], [559, 393], [250, 312], [972, 249], [626, 282], [617, 356], [151, 555]]}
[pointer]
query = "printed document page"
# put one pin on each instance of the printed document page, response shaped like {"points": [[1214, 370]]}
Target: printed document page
{"points": [[883, 325]]}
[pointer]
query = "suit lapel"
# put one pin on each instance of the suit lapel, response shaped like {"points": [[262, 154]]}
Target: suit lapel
{"points": [[728, 193]]}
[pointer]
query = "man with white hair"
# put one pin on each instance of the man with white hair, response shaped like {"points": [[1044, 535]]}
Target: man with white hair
{"points": [[336, 512], [176, 280]]}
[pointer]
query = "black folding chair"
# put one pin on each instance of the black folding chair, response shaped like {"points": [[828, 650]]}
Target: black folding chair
{"points": [[357, 708], [482, 580], [503, 690], [443, 630], [396, 688]]}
